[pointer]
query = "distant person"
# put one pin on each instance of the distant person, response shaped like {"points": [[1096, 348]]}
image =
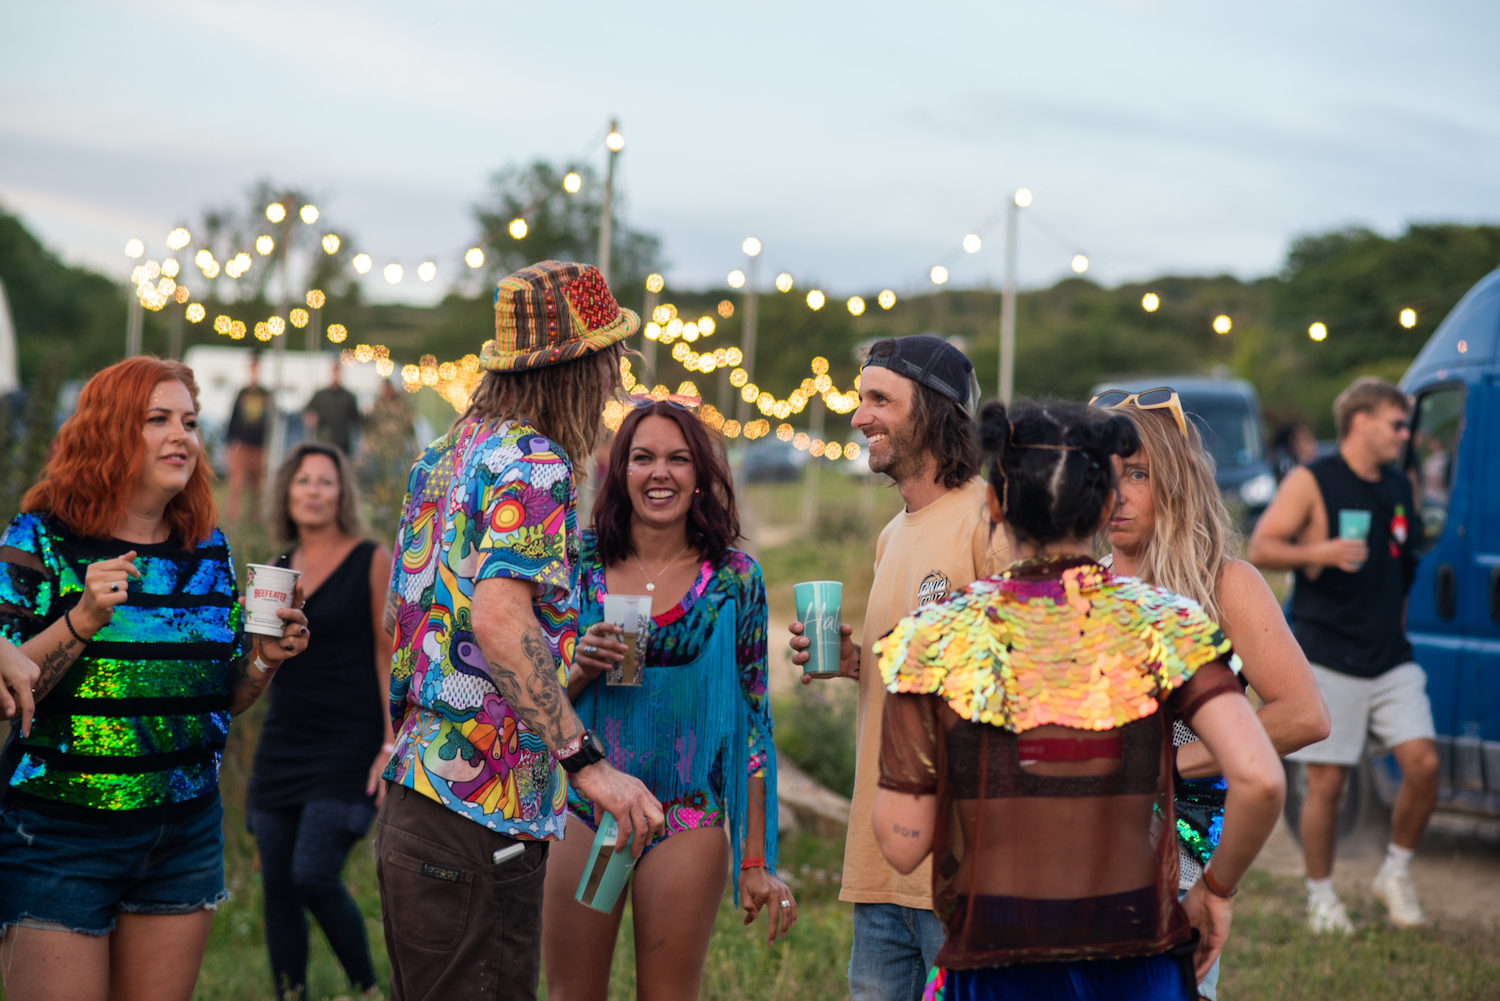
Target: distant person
{"points": [[390, 434], [332, 415], [327, 737], [1348, 612], [697, 730], [1170, 528], [249, 422], [117, 582], [916, 400], [1294, 445], [483, 602], [1026, 738]]}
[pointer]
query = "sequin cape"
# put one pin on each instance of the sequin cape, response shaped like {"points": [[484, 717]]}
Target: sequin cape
{"points": [[681, 635], [139, 720], [490, 499], [1087, 649]]}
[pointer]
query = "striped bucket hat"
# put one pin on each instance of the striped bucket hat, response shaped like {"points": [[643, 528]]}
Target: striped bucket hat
{"points": [[553, 312]]}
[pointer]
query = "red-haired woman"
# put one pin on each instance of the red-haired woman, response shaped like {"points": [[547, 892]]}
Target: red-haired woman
{"points": [[116, 582], [698, 729]]}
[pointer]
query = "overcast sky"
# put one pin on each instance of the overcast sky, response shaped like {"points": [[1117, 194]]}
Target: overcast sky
{"points": [[859, 142]]}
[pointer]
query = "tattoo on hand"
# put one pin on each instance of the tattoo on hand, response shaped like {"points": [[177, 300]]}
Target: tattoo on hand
{"points": [[537, 697], [906, 832]]}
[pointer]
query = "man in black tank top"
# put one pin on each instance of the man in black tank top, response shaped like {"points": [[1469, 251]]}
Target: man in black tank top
{"points": [[1346, 525]]}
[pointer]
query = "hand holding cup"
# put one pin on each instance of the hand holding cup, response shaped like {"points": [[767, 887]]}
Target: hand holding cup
{"points": [[599, 649]]}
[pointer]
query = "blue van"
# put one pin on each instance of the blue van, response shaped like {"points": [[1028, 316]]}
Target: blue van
{"points": [[1453, 612]]}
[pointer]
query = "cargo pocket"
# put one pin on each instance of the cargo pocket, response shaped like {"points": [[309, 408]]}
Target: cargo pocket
{"points": [[429, 900]]}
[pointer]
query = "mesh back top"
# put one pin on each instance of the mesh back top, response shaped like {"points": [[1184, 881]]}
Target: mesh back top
{"points": [[1037, 707]]}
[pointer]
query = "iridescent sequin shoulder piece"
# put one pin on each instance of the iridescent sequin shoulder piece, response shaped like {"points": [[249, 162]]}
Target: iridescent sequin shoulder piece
{"points": [[1086, 649]]}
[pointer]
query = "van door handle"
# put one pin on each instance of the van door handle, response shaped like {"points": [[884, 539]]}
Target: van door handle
{"points": [[1495, 595], [1446, 586]]}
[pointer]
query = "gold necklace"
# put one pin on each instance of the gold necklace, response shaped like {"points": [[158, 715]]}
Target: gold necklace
{"points": [[650, 580]]}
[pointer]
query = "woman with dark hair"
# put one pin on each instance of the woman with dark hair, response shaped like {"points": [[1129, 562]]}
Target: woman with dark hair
{"points": [[697, 730], [116, 582], [327, 736], [1026, 745]]}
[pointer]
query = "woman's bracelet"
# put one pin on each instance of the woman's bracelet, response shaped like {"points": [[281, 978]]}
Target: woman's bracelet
{"points": [[263, 667], [753, 863], [68, 621], [387, 748], [1214, 887]]}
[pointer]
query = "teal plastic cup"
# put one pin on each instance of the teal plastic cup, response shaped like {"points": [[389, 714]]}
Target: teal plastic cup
{"points": [[820, 610], [607, 870], [1354, 524]]}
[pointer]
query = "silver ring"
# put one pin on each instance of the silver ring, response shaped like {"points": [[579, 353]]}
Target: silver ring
{"points": [[786, 903], [590, 650], [115, 586]]}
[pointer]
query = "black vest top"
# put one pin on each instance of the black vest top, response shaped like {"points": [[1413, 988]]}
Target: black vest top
{"points": [[1354, 623], [324, 727]]}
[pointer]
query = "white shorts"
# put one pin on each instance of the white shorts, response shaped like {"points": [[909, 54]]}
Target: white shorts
{"points": [[1392, 708]]}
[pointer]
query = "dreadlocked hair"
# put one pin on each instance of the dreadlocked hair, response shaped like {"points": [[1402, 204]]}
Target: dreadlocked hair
{"points": [[1050, 463], [564, 402]]}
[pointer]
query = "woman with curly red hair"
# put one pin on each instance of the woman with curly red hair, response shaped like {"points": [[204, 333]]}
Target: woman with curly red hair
{"points": [[116, 582]]}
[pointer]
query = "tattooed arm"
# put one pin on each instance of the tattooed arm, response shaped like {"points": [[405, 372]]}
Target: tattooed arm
{"points": [[391, 613], [246, 680], [903, 827], [525, 674], [53, 650]]}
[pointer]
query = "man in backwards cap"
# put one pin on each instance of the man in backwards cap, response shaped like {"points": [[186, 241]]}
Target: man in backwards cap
{"points": [[483, 606], [917, 399]]}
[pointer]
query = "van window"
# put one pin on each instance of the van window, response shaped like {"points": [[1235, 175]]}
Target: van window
{"points": [[1229, 428], [1437, 427]]}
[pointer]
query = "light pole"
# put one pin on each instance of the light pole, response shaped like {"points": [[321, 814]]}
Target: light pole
{"points": [[751, 247], [1019, 201], [615, 142]]}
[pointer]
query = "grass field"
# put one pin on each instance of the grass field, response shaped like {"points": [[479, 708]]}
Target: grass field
{"points": [[1270, 956]]}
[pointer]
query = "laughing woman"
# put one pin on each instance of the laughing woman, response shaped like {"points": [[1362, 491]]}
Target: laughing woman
{"points": [[115, 580], [698, 729]]}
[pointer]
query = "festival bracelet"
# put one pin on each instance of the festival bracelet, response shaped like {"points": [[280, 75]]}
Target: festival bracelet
{"points": [[1214, 887], [263, 667], [753, 863], [68, 621]]}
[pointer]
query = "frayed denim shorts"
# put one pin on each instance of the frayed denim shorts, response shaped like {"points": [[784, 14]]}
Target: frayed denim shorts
{"points": [[73, 876]]}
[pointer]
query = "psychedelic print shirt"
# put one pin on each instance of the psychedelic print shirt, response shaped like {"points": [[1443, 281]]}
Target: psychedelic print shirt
{"points": [[491, 499]]}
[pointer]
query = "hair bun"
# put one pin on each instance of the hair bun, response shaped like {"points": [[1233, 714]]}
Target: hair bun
{"points": [[994, 428]]}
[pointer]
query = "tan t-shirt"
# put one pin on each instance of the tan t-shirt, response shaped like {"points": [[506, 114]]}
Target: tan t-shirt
{"points": [[920, 558]]}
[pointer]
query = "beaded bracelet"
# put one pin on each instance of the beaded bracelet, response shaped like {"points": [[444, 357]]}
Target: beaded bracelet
{"points": [[68, 621]]}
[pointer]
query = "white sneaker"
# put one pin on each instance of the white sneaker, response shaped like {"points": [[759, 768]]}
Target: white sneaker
{"points": [[1329, 917], [1395, 891]]}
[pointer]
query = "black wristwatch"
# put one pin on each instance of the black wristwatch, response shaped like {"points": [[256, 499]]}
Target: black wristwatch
{"points": [[592, 750]]}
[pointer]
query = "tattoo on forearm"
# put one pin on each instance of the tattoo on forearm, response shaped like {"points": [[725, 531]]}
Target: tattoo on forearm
{"points": [[245, 684], [55, 663], [906, 832], [534, 692]]}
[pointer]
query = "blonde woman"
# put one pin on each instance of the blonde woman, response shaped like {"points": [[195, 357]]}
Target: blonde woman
{"points": [[1170, 529]]}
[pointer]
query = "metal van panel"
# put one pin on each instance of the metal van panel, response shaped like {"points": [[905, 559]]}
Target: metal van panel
{"points": [[1468, 759], [1492, 765]]}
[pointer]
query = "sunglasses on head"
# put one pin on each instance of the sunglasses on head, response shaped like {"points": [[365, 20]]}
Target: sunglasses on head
{"points": [[638, 400], [1164, 398]]}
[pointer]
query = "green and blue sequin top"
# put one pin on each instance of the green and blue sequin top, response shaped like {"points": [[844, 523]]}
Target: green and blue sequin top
{"points": [[137, 725]]}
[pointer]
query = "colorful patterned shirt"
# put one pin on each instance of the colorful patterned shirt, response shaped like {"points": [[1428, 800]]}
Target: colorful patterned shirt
{"points": [[490, 499], [137, 725], [679, 635]]}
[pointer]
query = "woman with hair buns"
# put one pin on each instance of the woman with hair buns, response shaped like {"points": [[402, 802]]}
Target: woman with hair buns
{"points": [[1026, 744], [115, 580], [1171, 529]]}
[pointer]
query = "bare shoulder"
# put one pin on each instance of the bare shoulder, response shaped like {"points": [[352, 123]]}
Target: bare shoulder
{"points": [[1241, 585]]}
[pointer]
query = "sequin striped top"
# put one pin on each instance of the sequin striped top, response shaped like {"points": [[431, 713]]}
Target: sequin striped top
{"points": [[135, 729]]}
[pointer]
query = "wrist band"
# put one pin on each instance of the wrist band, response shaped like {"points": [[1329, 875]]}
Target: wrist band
{"points": [[752, 863], [263, 667], [68, 621], [1213, 885]]}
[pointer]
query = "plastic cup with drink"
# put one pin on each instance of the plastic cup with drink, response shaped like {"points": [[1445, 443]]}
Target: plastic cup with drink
{"points": [[267, 589], [1354, 524], [632, 614], [607, 870]]}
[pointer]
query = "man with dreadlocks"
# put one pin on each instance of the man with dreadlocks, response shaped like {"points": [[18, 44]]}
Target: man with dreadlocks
{"points": [[483, 606]]}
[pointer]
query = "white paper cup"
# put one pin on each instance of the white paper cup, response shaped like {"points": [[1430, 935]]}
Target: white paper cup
{"points": [[632, 613], [266, 590]]}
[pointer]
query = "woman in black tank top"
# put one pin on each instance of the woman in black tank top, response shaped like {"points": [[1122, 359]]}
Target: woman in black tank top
{"points": [[327, 736]]}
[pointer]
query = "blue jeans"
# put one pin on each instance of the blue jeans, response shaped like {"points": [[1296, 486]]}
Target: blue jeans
{"points": [[1142, 978], [894, 948], [81, 876], [302, 855]]}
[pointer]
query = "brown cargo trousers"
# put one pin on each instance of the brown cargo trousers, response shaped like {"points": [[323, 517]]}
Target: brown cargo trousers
{"points": [[457, 925]]}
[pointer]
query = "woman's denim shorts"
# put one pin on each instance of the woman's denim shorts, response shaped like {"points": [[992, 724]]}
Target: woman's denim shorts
{"points": [[74, 876]]}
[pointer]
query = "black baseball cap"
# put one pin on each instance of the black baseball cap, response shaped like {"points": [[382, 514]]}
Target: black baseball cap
{"points": [[931, 361]]}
